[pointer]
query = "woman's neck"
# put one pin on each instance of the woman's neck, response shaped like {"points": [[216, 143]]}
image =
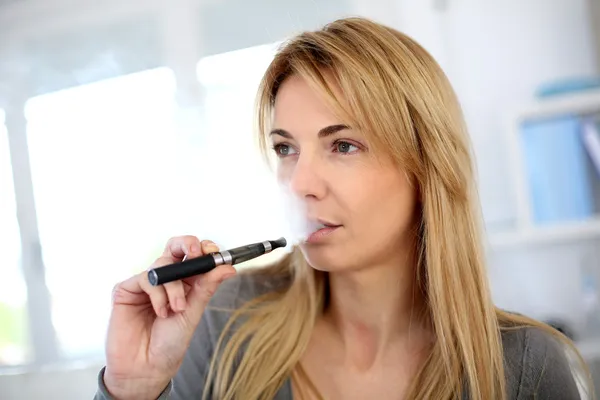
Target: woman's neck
{"points": [[372, 309]]}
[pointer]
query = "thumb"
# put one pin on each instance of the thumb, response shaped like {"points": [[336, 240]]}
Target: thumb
{"points": [[204, 289]]}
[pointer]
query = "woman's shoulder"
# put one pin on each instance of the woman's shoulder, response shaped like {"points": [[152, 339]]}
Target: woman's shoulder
{"points": [[536, 364]]}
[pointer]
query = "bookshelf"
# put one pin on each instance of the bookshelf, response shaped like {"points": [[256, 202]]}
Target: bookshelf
{"points": [[555, 234], [524, 232], [576, 103]]}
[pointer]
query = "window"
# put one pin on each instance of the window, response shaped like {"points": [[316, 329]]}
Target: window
{"points": [[105, 177], [14, 348], [113, 179]]}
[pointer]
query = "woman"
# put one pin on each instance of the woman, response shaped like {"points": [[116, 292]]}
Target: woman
{"points": [[388, 298]]}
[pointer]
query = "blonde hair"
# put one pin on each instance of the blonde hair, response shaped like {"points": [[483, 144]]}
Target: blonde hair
{"points": [[396, 93]]}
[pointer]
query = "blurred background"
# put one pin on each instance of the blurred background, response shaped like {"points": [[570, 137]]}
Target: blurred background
{"points": [[126, 122]]}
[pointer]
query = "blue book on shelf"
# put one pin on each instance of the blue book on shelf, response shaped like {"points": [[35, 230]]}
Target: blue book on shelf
{"points": [[591, 141], [555, 161], [568, 86]]}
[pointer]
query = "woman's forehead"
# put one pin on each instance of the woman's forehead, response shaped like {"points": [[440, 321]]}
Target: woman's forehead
{"points": [[299, 102]]}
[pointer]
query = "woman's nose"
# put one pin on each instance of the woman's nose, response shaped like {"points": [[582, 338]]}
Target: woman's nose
{"points": [[306, 179]]}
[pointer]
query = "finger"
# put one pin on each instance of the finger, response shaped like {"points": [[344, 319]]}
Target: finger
{"points": [[181, 246], [206, 247], [157, 294], [128, 286], [204, 289], [176, 295], [209, 246], [128, 292]]}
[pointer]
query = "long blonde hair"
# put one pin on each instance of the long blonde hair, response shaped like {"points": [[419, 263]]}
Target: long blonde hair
{"points": [[396, 93]]}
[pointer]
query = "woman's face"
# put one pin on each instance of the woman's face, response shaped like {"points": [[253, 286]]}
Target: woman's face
{"points": [[360, 205]]}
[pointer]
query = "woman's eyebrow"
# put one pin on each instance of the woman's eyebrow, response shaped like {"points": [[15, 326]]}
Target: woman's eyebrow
{"points": [[330, 130], [282, 133], [323, 132]]}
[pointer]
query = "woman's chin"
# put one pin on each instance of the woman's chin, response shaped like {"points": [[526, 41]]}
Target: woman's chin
{"points": [[323, 258]]}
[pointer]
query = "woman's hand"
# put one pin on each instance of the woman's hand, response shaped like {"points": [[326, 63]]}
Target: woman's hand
{"points": [[151, 327]]}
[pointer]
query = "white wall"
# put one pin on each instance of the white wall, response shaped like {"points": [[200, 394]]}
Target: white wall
{"points": [[496, 54]]}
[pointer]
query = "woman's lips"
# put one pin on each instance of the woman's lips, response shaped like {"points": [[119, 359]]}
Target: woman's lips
{"points": [[322, 234]]}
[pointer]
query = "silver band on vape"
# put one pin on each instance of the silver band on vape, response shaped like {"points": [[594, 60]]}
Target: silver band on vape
{"points": [[267, 246], [218, 259]]}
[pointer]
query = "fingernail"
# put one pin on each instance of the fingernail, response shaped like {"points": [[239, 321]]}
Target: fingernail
{"points": [[210, 244], [180, 302], [212, 249], [163, 312]]}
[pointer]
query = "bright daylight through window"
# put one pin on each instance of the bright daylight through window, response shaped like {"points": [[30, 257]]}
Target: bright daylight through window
{"points": [[14, 347], [113, 181], [101, 158]]}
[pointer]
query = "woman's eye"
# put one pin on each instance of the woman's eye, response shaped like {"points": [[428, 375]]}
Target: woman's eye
{"points": [[283, 150], [345, 147]]}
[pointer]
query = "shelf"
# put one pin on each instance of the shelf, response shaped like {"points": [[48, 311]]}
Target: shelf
{"points": [[576, 103], [562, 233]]}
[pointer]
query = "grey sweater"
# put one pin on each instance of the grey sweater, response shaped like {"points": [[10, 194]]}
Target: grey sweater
{"points": [[535, 363]]}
